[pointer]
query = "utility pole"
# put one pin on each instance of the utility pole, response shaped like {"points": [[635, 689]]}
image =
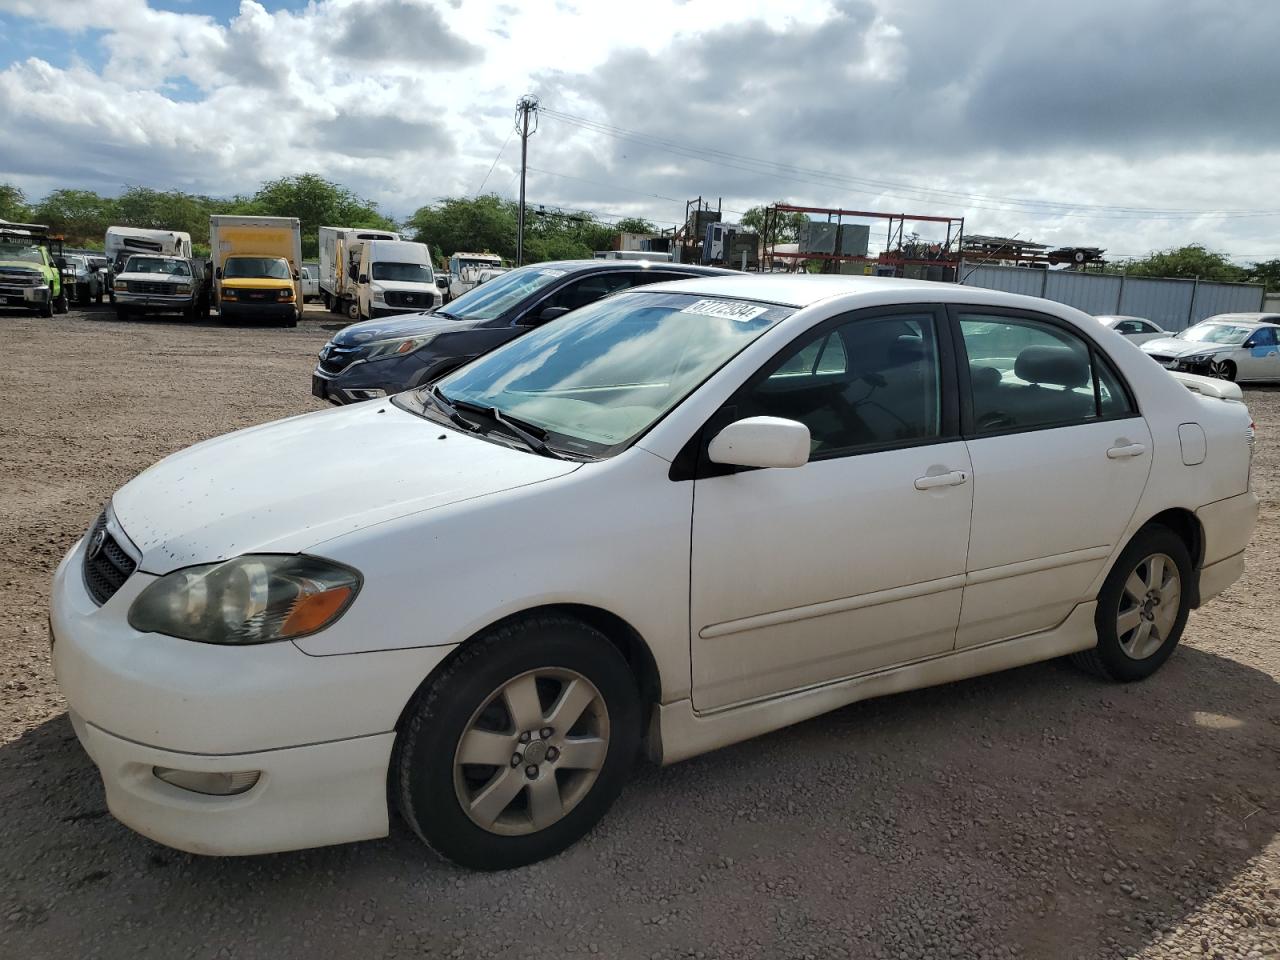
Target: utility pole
{"points": [[525, 106]]}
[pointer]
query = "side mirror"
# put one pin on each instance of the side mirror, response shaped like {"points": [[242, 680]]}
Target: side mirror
{"points": [[296, 275], [761, 442], [61, 262], [550, 313], [1250, 343], [218, 273], [442, 282], [364, 278]]}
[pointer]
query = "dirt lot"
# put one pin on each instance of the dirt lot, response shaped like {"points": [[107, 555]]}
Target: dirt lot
{"points": [[1037, 813]]}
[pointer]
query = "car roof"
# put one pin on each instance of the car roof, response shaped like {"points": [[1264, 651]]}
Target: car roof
{"points": [[1243, 318], [797, 290], [1117, 317], [594, 265]]}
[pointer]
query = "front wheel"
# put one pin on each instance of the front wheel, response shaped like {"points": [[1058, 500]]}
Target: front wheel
{"points": [[1222, 369], [521, 745], [1142, 607]]}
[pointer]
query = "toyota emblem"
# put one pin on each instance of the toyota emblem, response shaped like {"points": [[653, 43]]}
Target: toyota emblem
{"points": [[95, 544]]}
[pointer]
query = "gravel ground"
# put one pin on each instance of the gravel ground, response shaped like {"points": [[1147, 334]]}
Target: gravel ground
{"points": [[1036, 813]]}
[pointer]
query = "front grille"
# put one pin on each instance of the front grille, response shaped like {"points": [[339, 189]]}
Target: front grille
{"points": [[335, 359], [408, 298], [152, 286], [106, 565]]}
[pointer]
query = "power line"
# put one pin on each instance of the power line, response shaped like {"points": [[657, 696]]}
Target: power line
{"points": [[495, 163], [906, 191]]}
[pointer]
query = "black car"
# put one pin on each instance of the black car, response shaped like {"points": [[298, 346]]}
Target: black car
{"points": [[379, 357]]}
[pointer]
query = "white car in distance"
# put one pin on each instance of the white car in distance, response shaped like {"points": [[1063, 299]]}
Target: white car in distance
{"points": [[1229, 346], [1133, 329], [674, 519]]}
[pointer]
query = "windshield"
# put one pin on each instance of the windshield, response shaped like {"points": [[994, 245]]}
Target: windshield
{"points": [[269, 268], [502, 293], [162, 265], [1216, 333], [402, 272], [599, 377], [21, 253]]}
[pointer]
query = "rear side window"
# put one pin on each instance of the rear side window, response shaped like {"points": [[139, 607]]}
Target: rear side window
{"points": [[1025, 374]]}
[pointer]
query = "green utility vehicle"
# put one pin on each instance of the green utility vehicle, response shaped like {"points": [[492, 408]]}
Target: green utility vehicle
{"points": [[31, 265]]}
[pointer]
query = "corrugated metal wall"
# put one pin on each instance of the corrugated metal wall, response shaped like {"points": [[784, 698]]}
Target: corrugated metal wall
{"points": [[1174, 304]]}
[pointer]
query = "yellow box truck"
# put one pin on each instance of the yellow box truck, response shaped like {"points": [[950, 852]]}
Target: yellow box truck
{"points": [[257, 268]]}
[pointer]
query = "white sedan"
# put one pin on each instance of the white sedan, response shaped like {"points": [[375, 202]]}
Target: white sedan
{"points": [[1229, 346], [674, 519], [1133, 329]]}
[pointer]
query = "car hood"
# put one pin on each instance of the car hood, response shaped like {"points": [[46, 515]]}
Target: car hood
{"points": [[285, 487], [403, 325], [1173, 347], [155, 277]]}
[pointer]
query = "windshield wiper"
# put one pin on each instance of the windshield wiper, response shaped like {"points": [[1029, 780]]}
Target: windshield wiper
{"points": [[520, 430], [449, 410], [446, 313]]}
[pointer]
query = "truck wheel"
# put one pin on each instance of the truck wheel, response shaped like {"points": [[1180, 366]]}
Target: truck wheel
{"points": [[353, 310], [47, 310], [97, 298], [328, 302], [60, 305]]}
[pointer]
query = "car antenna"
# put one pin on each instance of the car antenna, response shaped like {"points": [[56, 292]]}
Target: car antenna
{"points": [[988, 257]]}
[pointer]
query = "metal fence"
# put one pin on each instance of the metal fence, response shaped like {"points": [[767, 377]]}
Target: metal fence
{"points": [[1174, 304]]}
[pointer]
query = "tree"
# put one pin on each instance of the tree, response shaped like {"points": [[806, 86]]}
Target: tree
{"points": [[316, 202], [785, 227], [1267, 272], [1189, 262], [168, 210], [13, 204], [79, 215], [635, 225], [484, 224]]}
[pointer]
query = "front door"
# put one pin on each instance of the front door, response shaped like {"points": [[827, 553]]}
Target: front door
{"points": [[1261, 359], [854, 561], [1060, 459]]}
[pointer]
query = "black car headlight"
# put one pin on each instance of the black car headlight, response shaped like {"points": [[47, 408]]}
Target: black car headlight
{"points": [[256, 598], [381, 349], [1197, 360]]}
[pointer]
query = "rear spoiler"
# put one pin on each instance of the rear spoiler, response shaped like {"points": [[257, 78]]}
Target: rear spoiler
{"points": [[1209, 386]]}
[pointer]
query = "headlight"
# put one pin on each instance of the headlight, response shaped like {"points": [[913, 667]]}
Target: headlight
{"points": [[183, 288], [285, 294], [392, 348], [378, 297], [256, 598], [120, 285], [1196, 360]]}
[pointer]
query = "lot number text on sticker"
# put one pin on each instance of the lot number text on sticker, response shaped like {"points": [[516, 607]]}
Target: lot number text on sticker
{"points": [[725, 309]]}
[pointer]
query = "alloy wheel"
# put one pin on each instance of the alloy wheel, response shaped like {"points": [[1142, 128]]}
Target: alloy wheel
{"points": [[1149, 604], [531, 752], [1221, 369]]}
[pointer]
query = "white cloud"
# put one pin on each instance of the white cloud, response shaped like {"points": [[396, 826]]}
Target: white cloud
{"points": [[409, 100]]}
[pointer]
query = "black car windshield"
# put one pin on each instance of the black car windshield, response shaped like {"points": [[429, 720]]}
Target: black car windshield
{"points": [[1228, 333], [502, 293], [597, 378], [268, 268], [162, 265], [402, 272]]}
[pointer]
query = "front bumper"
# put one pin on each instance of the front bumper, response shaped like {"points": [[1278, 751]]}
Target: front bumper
{"points": [[29, 297], [250, 310], [364, 381], [150, 301], [140, 701]]}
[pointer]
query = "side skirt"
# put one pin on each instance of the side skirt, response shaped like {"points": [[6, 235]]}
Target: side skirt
{"points": [[678, 732]]}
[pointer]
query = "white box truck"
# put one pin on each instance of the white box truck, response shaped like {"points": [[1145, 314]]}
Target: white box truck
{"points": [[121, 242], [340, 264], [257, 268], [395, 276]]}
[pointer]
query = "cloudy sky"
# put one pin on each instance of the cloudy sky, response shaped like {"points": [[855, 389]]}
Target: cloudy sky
{"points": [[1133, 125]]}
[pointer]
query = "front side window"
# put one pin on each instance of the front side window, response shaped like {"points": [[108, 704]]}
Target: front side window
{"points": [[868, 383], [1264, 337], [1025, 374], [265, 268], [588, 290], [601, 376]]}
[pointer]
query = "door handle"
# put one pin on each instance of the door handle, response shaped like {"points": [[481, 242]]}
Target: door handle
{"points": [[1126, 450], [952, 479]]}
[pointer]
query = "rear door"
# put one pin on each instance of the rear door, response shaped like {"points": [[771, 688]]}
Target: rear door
{"points": [[1060, 459]]}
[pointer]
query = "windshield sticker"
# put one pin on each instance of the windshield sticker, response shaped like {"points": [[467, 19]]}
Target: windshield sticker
{"points": [[551, 273], [725, 310]]}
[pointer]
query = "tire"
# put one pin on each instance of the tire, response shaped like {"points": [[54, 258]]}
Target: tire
{"points": [[533, 654], [47, 310], [60, 305], [1131, 595], [122, 313], [1225, 370], [353, 311]]}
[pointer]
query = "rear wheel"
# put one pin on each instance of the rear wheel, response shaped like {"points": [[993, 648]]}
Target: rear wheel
{"points": [[353, 310], [520, 746], [1142, 607]]}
